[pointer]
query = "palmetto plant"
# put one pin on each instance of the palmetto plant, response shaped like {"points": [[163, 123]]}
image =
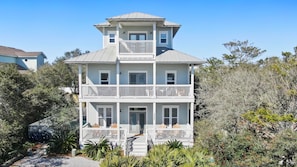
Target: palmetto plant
{"points": [[63, 141], [97, 150], [174, 144]]}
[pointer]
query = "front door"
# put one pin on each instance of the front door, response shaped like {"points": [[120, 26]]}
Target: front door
{"points": [[137, 118]]}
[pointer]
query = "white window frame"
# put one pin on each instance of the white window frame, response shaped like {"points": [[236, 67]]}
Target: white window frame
{"points": [[108, 34], [170, 114], [104, 115], [160, 35], [100, 79], [166, 76], [138, 32], [137, 72]]}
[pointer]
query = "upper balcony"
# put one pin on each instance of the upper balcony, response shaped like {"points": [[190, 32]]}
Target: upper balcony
{"points": [[138, 91], [136, 47]]}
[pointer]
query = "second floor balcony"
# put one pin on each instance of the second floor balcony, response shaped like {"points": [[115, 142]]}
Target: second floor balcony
{"points": [[139, 47], [145, 91]]}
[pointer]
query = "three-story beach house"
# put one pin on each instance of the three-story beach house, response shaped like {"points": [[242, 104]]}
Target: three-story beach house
{"points": [[138, 90]]}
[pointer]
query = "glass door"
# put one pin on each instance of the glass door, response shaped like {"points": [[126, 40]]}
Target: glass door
{"points": [[137, 121]]}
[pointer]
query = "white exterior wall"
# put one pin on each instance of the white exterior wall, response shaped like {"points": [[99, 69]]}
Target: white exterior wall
{"points": [[28, 63]]}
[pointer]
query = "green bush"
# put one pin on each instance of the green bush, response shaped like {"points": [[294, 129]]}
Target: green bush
{"points": [[174, 144], [63, 141], [97, 150]]}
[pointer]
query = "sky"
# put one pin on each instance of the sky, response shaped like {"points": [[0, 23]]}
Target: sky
{"points": [[57, 26]]}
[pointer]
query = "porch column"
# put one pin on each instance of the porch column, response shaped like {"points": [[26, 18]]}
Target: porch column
{"points": [[154, 78], [118, 78], [192, 81], [117, 40], [192, 115], [154, 121], [79, 80], [80, 123], [118, 121], [154, 40]]}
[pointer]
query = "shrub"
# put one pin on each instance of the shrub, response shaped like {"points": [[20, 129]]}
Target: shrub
{"points": [[174, 144], [97, 150], [63, 141]]}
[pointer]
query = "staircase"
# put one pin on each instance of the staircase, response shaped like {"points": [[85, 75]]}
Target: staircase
{"points": [[137, 146]]}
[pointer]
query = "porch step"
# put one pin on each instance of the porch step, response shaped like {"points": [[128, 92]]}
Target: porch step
{"points": [[139, 146]]}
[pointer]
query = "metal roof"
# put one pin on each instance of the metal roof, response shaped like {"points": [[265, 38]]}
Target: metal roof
{"points": [[170, 56], [13, 52], [136, 16], [106, 56]]}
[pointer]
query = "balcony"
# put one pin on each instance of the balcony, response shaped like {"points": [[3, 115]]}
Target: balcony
{"points": [[136, 91], [138, 47]]}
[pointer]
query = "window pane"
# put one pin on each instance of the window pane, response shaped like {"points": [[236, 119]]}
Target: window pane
{"points": [[163, 40], [166, 112], [174, 112], [101, 121], [108, 122], [111, 38], [141, 36], [163, 36], [100, 113], [104, 76], [166, 121], [137, 78], [108, 112], [174, 121], [132, 78]]}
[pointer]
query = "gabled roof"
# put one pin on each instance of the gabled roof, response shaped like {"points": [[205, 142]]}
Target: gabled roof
{"points": [[171, 56], [13, 52], [104, 56]]}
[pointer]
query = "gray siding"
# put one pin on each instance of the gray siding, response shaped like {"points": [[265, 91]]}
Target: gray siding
{"points": [[169, 43], [125, 68], [182, 74], [124, 115], [93, 72], [183, 113], [92, 116]]}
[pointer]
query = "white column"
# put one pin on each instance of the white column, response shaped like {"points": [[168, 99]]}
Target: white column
{"points": [[118, 120], [154, 120], [154, 78], [117, 40], [192, 115], [118, 78], [80, 123], [192, 81], [80, 80], [154, 39]]}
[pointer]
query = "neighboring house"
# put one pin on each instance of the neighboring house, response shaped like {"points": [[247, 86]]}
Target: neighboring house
{"points": [[24, 60], [138, 91]]}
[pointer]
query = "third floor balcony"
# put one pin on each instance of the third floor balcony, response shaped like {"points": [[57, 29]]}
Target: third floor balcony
{"points": [[137, 47]]}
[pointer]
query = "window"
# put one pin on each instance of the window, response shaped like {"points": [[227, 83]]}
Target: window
{"points": [[104, 116], [170, 77], [170, 115], [137, 78], [104, 77], [137, 36], [111, 36], [163, 37]]}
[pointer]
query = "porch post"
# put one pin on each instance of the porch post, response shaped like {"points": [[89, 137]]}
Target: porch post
{"points": [[118, 121], [118, 78], [80, 123], [192, 81], [79, 80], [154, 40], [154, 120], [154, 79], [192, 115]]}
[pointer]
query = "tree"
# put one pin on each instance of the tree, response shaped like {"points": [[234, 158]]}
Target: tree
{"points": [[241, 52]]}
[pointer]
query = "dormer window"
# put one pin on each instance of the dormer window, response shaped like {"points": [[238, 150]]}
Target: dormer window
{"points": [[111, 35], [163, 36]]}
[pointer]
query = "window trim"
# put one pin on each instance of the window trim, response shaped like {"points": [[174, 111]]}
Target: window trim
{"points": [[104, 114], [160, 35], [108, 34], [170, 114], [137, 72], [166, 76], [104, 71]]}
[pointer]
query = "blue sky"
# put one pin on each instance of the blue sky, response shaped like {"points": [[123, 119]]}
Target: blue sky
{"points": [[57, 26]]}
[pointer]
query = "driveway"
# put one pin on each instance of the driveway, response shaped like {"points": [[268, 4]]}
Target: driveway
{"points": [[41, 160]]}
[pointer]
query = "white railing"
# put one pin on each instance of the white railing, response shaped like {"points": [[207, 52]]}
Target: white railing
{"points": [[94, 134], [99, 90], [136, 90], [162, 135], [136, 46], [173, 90]]}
